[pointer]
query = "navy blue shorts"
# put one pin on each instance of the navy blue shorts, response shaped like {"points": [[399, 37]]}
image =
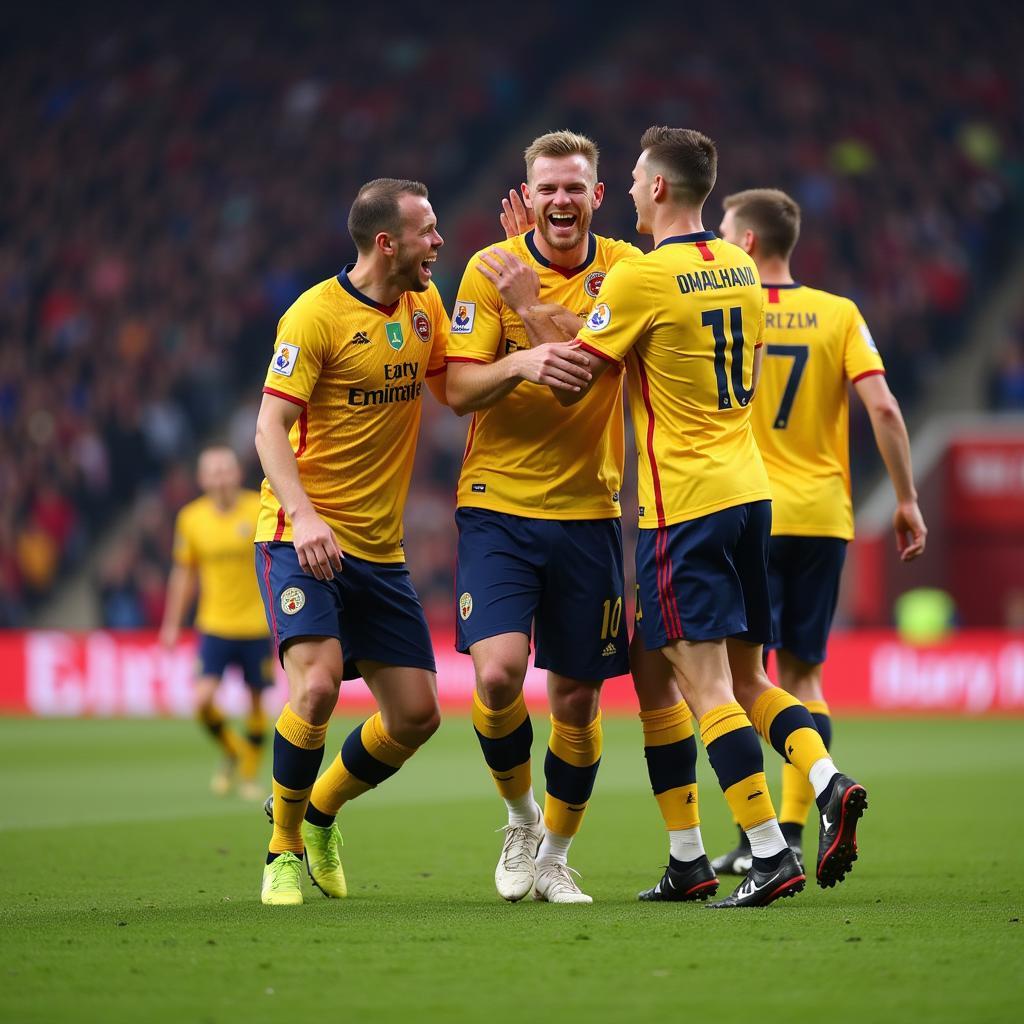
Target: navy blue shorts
{"points": [[370, 607], [707, 578], [560, 580], [804, 574], [253, 657]]}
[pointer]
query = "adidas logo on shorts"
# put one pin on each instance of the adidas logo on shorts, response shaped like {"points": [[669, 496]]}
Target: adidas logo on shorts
{"points": [[608, 651]]}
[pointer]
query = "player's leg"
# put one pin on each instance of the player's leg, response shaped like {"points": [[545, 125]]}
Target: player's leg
{"points": [[498, 589], [581, 641], [670, 750], [787, 725], [692, 599], [213, 657], [256, 661]]}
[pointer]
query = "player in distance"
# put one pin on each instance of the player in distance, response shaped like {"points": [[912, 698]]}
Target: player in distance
{"points": [[336, 435], [816, 344], [687, 320], [213, 557], [540, 549]]}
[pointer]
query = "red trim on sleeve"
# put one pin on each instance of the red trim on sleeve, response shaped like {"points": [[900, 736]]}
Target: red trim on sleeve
{"points": [[868, 373], [707, 255], [279, 532], [760, 344], [773, 294], [464, 359], [434, 373], [595, 352], [288, 398]]}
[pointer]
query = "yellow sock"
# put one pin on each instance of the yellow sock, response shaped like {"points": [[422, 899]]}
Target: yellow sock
{"points": [[505, 736], [216, 724], [368, 757], [671, 753], [255, 730], [735, 754], [570, 768], [788, 726], [298, 751]]}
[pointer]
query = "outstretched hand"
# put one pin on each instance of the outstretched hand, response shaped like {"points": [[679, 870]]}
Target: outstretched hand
{"points": [[516, 216]]}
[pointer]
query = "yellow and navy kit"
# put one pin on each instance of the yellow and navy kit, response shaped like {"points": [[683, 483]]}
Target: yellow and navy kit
{"points": [[527, 455], [218, 545], [356, 369], [816, 342], [686, 319]]}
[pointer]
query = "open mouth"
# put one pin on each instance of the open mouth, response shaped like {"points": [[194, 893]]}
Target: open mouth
{"points": [[425, 265], [562, 220]]}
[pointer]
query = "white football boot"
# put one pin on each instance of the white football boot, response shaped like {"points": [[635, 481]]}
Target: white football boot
{"points": [[516, 872], [555, 884]]}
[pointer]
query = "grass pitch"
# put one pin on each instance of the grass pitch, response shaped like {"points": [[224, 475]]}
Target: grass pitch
{"points": [[129, 893]]}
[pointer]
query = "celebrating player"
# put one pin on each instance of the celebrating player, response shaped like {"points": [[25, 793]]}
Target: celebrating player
{"points": [[815, 343], [336, 435], [687, 318], [540, 547], [213, 552]]}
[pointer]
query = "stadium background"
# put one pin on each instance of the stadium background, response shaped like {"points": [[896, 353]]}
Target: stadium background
{"points": [[173, 178]]}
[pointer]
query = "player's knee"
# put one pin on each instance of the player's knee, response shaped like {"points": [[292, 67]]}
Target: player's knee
{"points": [[577, 705], [748, 688], [499, 682], [316, 691], [417, 724]]}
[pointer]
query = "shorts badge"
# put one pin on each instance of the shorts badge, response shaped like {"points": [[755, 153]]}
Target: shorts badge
{"points": [[292, 601], [466, 605], [593, 282], [421, 324]]}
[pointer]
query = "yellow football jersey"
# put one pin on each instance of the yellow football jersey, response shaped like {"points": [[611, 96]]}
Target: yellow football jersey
{"points": [[356, 369], [816, 342], [218, 545], [686, 319], [528, 455]]}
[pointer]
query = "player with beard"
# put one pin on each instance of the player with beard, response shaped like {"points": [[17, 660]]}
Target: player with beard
{"points": [[336, 435], [540, 548]]}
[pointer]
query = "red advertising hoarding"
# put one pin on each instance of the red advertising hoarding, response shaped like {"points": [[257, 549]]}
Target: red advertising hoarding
{"points": [[103, 674]]}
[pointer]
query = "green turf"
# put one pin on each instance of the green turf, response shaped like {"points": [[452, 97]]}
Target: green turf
{"points": [[129, 893]]}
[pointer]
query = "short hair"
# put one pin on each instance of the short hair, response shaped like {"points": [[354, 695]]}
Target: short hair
{"points": [[771, 214], [562, 143], [687, 159], [376, 209]]}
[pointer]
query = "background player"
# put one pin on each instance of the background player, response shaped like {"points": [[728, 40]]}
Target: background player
{"points": [[336, 435], [540, 546], [816, 344], [213, 554], [688, 317]]}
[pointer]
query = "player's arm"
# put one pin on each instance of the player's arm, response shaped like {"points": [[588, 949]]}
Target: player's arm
{"points": [[315, 543], [181, 591], [894, 447], [599, 367]]}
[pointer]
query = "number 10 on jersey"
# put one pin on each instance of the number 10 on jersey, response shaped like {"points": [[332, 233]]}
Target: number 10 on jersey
{"points": [[715, 319]]}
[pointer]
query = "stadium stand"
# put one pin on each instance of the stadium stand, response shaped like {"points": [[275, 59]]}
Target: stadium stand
{"points": [[139, 295]]}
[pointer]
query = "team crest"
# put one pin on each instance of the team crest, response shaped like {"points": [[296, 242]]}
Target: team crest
{"points": [[600, 317], [593, 282], [462, 321], [466, 605], [292, 601], [396, 336], [421, 324], [285, 359]]}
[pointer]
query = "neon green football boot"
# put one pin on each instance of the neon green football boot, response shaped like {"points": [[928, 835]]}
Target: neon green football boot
{"points": [[282, 881], [323, 861]]}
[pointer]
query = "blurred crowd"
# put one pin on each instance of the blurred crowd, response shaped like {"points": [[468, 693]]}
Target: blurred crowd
{"points": [[172, 181]]}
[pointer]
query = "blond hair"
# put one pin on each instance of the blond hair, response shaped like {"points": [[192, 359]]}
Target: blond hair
{"points": [[771, 214], [562, 143]]}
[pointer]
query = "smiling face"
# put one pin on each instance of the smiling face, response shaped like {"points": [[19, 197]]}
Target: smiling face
{"points": [[564, 193], [642, 194], [415, 248]]}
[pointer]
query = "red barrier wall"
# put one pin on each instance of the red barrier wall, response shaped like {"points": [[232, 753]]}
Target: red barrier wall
{"points": [[109, 673]]}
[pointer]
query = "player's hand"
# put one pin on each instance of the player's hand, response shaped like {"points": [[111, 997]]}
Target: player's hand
{"points": [[169, 634], [558, 365], [566, 321], [316, 546], [517, 284], [516, 216], [911, 532]]}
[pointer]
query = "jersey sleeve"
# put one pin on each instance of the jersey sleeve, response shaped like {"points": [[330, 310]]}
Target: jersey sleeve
{"points": [[439, 342], [860, 354], [621, 317], [299, 353], [475, 331], [184, 551]]}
